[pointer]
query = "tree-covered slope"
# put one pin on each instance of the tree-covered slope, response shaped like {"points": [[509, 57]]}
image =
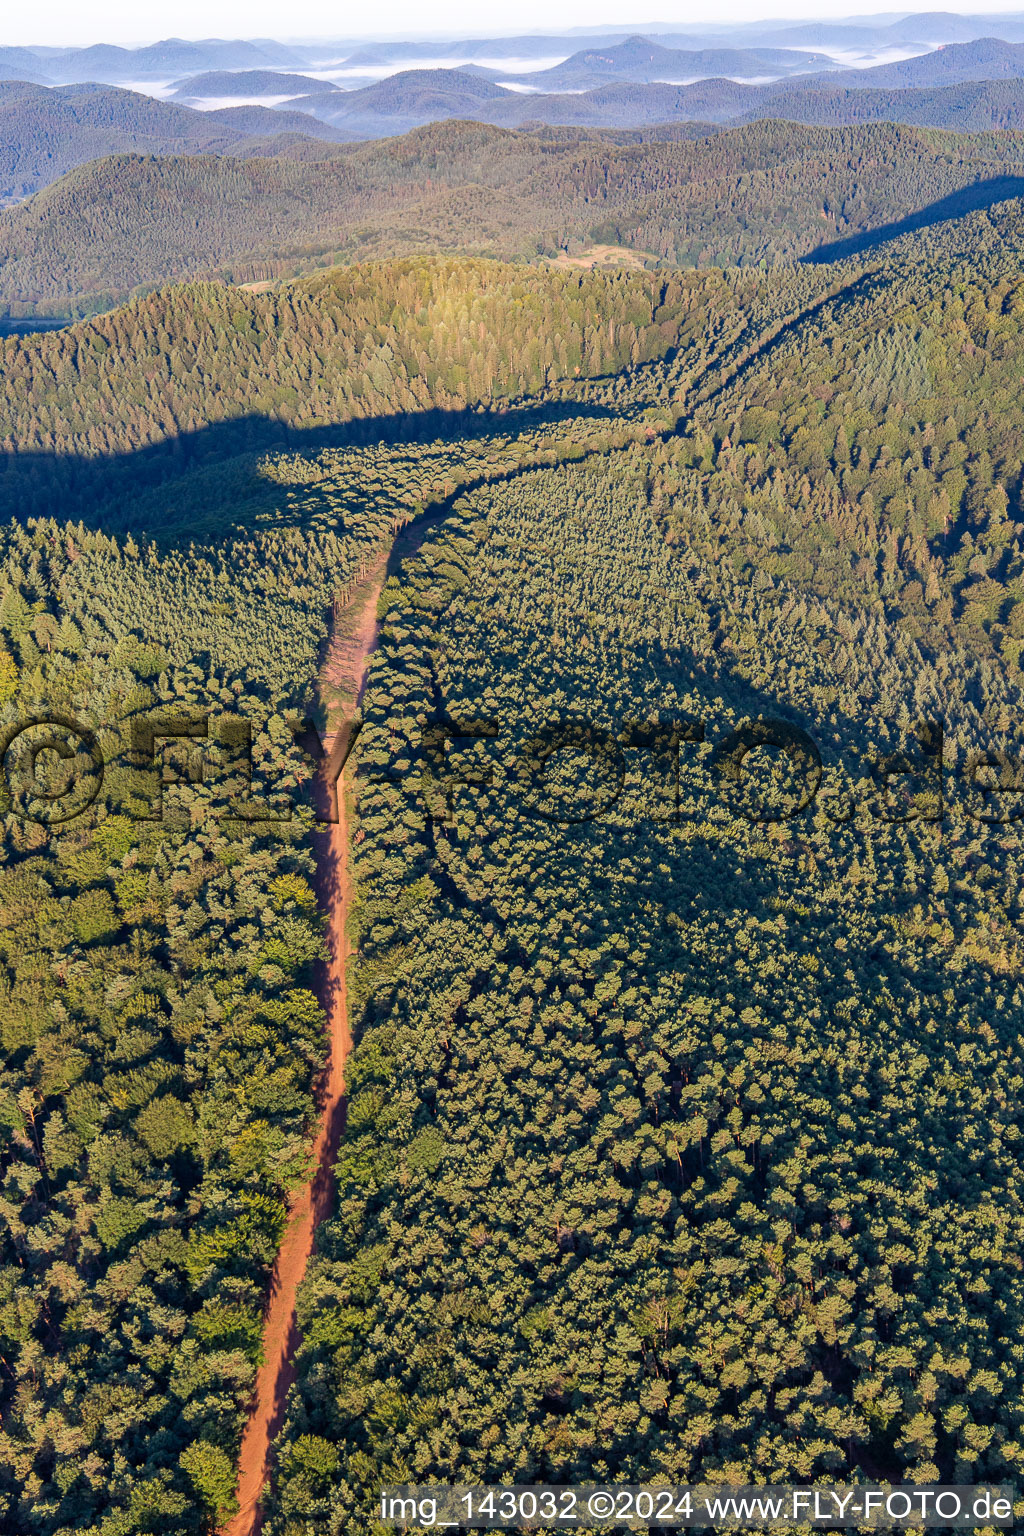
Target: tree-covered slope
{"points": [[762, 193], [167, 59], [366, 342], [246, 82], [973, 107]]}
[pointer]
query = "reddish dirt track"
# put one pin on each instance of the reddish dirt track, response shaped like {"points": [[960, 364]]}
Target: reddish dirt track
{"points": [[342, 685]]}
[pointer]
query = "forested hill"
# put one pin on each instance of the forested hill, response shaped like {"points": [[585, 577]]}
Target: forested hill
{"points": [[47, 132], [366, 341], [379, 344], [247, 82], [972, 107], [646, 59], [762, 193]]}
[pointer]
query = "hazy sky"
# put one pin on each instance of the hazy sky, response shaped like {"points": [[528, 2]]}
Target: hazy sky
{"points": [[119, 21]]}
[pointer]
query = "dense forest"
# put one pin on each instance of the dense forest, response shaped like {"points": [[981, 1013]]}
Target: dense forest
{"points": [[683, 1137], [679, 1150], [160, 1033], [763, 194], [684, 1113]]}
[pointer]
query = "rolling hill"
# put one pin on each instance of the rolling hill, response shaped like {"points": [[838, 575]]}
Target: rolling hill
{"points": [[247, 82], [257, 121], [926, 28], [46, 132], [627, 105], [411, 99]]}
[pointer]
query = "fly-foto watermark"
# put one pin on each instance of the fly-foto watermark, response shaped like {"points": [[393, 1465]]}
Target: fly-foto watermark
{"points": [[567, 771], [601, 1506]]}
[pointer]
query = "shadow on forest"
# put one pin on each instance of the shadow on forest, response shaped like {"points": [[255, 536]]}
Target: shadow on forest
{"points": [[981, 194], [104, 491], [735, 874], [11, 326]]}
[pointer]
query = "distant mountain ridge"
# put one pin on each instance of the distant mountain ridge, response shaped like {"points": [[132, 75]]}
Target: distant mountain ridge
{"points": [[612, 83], [644, 60], [531, 45], [621, 105], [925, 28], [45, 132], [635, 83], [172, 58], [257, 121], [411, 99], [986, 58], [164, 60], [415, 97]]}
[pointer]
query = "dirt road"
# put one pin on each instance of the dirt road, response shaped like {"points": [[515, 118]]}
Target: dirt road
{"points": [[342, 678]]}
